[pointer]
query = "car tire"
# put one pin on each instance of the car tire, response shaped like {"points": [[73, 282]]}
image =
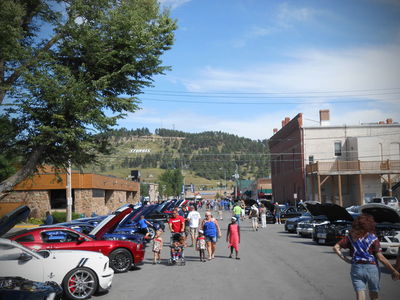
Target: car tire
{"points": [[120, 260], [80, 283]]}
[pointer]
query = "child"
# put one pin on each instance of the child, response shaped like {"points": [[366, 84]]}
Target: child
{"points": [[177, 246], [201, 245], [233, 237], [157, 247]]}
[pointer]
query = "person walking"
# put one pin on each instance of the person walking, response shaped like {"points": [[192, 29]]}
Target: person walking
{"points": [[201, 246], [237, 212], [233, 237], [194, 220], [253, 215], [157, 247], [212, 232], [277, 213], [263, 214], [365, 252]]}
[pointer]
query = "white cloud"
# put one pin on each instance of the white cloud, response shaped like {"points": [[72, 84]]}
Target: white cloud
{"points": [[309, 70], [288, 15], [172, 4]]}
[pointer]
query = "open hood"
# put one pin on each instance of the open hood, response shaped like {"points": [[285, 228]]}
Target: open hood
{"points": [[12, 218], [332, 211], [381, 213], [111, 222]]}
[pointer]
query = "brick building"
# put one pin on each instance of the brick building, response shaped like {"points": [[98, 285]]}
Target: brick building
{"points": [[91, 193], [340, 164]]}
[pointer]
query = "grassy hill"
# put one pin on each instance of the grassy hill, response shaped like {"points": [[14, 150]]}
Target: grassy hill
{"points": [[206, 158]]}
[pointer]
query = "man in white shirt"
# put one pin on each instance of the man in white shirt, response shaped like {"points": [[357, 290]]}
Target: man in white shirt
{"points": [[194, 221]]}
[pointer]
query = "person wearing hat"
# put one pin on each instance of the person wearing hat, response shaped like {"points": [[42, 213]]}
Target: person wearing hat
{"points": [[233, 237]]}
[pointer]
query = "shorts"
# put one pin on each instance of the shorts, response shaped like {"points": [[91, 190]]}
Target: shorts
{"points": [[278, 215], [212, 239], [194, 231], [363, 275]]}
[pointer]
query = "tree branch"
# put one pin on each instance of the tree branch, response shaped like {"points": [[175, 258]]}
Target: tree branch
{"points": [[27, 170], [17, 72]]}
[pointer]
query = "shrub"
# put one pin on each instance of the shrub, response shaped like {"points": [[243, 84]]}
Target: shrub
{"points": [[60, 217]]}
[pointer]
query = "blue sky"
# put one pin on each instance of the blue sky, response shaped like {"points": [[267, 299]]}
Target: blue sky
{"points": [[241, 66]]}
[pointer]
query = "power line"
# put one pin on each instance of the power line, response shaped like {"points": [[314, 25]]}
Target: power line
{"points": [[276, 93]]}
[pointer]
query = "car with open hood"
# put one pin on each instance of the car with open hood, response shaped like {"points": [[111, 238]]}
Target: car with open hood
{"points": [[80, 273], [337, 227], [387, 226], [123, 254]]}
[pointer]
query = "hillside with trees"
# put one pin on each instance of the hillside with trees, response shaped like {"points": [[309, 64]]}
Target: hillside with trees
{"points": [[212, 155]]}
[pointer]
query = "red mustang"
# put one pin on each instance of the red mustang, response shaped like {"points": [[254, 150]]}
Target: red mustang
{"points": [[123, 254]]}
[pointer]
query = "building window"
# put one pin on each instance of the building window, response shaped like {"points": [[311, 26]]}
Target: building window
{"points": [[97, 193], [311, 159], [338, 148]]}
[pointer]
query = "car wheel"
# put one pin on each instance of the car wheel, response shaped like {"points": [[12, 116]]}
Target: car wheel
{"points": [[120, 260], [80, 283], [152, 232]]}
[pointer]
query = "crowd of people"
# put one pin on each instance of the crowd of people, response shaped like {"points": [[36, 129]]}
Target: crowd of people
{"points": [[203, 234]]}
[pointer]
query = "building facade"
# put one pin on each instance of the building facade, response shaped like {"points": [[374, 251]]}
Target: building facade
{"points": [[91, 193], [339, 164]]}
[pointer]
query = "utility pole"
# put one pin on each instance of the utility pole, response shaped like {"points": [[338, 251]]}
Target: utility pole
{"points": [[69, 193], [236, 176]]}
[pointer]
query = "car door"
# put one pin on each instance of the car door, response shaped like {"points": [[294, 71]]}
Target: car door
{"points": [[15, 261], [60, 239]]}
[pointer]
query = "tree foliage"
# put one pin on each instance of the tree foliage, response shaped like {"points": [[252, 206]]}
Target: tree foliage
{"points": [[68, 87], [170, 182]]}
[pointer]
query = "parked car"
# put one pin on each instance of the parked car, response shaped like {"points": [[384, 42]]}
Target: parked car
{"points": [[290, 212], [291, 223], [123, 254], [25, 289], [80, 273], [339, 225], [391, 201], [306, 228], [387, 226]]}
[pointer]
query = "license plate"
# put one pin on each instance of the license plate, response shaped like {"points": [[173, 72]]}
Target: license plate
{"points": [[290, 226], [321, 235], [321, 241]]}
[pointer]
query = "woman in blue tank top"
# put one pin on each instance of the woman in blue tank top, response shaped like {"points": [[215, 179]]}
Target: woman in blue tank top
{"points": [[211, 231]]}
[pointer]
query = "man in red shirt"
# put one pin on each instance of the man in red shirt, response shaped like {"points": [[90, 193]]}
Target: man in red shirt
{"points": [[176, 223]]}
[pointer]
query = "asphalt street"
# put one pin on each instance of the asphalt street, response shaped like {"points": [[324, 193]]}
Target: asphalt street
{"points": [[273, 265]]}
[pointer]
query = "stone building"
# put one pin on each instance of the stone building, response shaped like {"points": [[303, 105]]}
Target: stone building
{"points": [[343, 164], [91, 193]]}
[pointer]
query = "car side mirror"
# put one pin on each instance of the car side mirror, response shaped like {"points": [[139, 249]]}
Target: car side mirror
{"points": [[25, 257], [81, 240]]}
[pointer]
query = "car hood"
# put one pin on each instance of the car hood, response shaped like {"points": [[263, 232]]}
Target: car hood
{"points": [[110, 222], [332, 211], [12, 218], [381, 213]]}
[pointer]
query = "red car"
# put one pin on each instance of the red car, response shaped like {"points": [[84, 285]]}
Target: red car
{"points": [[123, 254]]}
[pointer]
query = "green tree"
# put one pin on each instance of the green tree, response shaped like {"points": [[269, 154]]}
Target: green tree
{"points": [[144, 189], [171, 182], [69, 87]]}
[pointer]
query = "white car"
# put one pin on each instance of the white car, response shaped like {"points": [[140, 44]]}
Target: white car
{"points": [[80, 273], [387, 226]]}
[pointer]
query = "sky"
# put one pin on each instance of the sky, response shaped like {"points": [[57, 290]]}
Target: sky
{"points": [[242, 66]]}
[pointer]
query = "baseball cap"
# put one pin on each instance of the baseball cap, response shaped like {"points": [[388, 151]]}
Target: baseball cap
{"points": [[233, 219]]}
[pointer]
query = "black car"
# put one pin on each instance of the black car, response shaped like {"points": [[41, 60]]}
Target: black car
{"points": [[24, 289], [339, 223], [290, 212], [291, 223]]}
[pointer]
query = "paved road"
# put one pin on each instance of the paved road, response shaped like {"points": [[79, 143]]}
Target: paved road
{"points": [[273, 265]]}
